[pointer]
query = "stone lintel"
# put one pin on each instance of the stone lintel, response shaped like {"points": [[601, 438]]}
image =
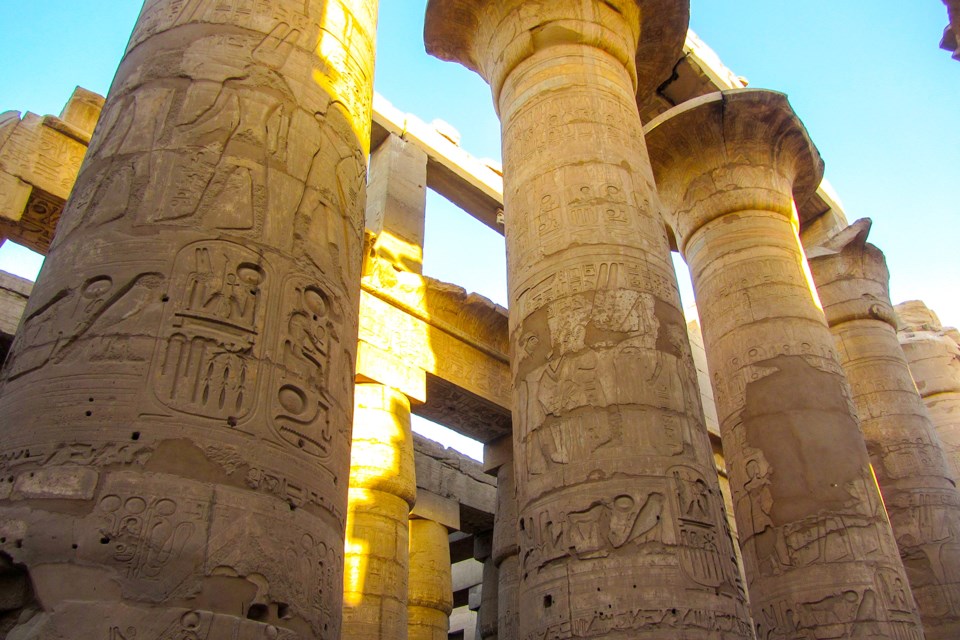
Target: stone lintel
{"points": [[852, 277], [443, 347], [497, 453], [736, 150], [442, 510], [467, 574], [461, 545], [456, 31], [456, 477], [468, 182]]}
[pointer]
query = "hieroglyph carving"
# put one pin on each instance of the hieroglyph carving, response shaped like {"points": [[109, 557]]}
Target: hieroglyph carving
{"points": [[200, 299]]}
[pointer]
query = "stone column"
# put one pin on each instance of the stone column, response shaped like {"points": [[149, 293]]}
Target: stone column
{"points": [[506, 553], [620, 515], [488, 614], [820, 557], [917, 487], [383, 489], [396, 203], [177, 406], [431, 584], [934, 357]]}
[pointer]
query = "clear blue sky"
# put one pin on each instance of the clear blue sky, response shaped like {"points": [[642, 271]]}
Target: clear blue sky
{"points": [[880, 99]]}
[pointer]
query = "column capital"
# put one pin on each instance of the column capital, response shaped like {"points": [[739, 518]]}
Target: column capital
{"points": [[492, 38], [736, 150], [852, 277]]}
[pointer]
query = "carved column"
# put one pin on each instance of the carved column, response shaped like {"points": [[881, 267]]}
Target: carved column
{"points": [[383, 489], [487, 614], [934, 357], [819, 553], [177, 406], [506, 552], [431, 584], [918, 490], [620, 515]]}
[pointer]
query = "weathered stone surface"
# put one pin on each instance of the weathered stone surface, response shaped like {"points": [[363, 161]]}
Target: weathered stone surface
{"points": [[819, 554], [456, 477], [951, 35], [934, 356], [431, 586], [382, 491], [396, 203], [441, 346], [193, 334], [920, 495], [614, 471]]}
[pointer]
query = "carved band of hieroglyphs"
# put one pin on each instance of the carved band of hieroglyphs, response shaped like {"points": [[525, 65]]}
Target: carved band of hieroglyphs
{"points": [[210, 338]]}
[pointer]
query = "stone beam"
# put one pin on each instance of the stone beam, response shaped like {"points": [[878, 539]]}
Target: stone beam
{"points": [[449, 474], [40, 158], [471, 184], [442, 347]]}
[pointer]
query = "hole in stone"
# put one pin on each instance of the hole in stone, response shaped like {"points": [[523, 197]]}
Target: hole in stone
{"points": [[673, 611], [18, 544], [89, 399], [283, 611], [231, 421], [135, 435], [300, 443], [258, 612], [293, 507], [89, 413], [165, 299], [74, 546], [104, 540], [3, 540], [547, 601]]}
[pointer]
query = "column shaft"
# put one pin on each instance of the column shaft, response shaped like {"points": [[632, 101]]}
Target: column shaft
{"points": [[918, 490], [614, 467], [431, 584], [818, 552], [934, 357], [506, 553], [382, 491], [816, 542], [177, 404]]}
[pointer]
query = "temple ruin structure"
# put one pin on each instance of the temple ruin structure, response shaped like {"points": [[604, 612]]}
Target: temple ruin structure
{"points": [[206, 399]]}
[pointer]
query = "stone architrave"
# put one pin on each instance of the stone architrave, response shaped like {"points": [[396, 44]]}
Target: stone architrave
{"points": [[382, 491], [934, 356], [917, 487], [177, 404], [819, 554], [620, 516], [430, 599]]}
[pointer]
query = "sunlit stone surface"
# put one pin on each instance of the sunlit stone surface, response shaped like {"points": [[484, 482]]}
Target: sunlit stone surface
{"points": [[382, 491], [819, 554], [177, 405], [918, 489], [622, 531]]}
